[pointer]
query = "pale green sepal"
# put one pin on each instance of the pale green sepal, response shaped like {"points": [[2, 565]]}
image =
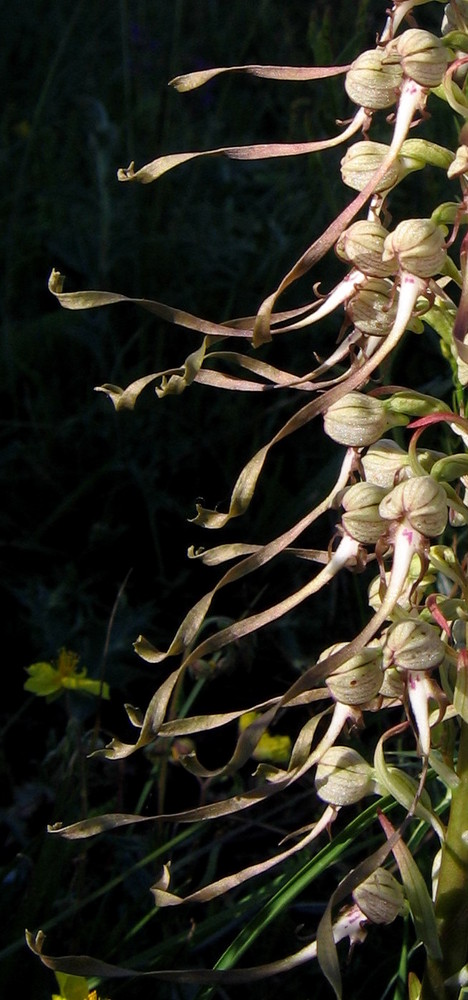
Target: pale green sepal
{"points": [[456, 40], [450, 91], [446, 213], [427, 152], [443, 770], [404, 790], [450, 467], [414, 404]]}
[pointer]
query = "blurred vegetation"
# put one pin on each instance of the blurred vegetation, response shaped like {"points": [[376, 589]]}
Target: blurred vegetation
{"points": [[94, 519]]}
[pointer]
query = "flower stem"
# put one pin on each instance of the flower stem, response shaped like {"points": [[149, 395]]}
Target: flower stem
{"points": [[451, 905]]}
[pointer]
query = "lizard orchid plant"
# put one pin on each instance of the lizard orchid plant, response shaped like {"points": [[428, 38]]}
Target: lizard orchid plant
{"points": [[402, 509]]}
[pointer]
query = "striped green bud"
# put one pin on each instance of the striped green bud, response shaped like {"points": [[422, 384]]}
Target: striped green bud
{"points": [[413, 645], [423, 56], [373, 308], [343, 777], [380, 897], [362, 245], [372, 83], [358, 680], [384, 462], [363, 159], [421, 501], [418, 245], [357, 420], [361, 519]]}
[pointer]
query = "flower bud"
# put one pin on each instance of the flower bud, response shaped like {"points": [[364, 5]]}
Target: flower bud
{"points": [[373, 308], [415, 404], [362, 246], [413, 645], [363, 159], [357, 420], [418, 245], [423, 56], [393, 685], [357, 680], [361, 519], [450, 467], [372, 83], [343, 777], [385, 462], [380, 897], [420, 501]]}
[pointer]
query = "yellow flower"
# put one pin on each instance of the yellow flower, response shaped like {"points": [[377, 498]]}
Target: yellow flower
{"points": [[275, 749], [73, 988], [48, 680]]}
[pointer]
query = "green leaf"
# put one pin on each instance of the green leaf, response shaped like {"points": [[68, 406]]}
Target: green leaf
{"points": [[420, 903]]}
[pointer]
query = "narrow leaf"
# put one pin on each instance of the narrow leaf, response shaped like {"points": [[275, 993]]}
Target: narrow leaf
{"points": [[421, 906]]}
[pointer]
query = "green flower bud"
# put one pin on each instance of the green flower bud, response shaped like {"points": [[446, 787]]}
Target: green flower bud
{"points": [[413, 645], [427, 458], [373, 308], [380, 897], [423, 56], [343, 777], [372, 83], [357, 680], [450, 467], [415, 404], [416, 153], [418, 245], [420, 501], [361, 519], [357, 420], [362, 246], [384, 462], [362, 160]]}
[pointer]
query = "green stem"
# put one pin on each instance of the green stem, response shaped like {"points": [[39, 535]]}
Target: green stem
{"points": [[451, 905]]}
